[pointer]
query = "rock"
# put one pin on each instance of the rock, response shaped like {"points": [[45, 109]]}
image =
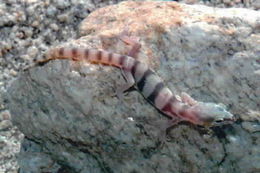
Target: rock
{"points": [[33, 25], [32, 160], [5, 124], [251, 126], [5, 115], [74, 123], [24, 25], [256, 4], [9, 147]]}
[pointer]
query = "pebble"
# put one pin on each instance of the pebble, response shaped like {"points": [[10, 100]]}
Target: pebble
{"points": [[5, 115], [62, 4], [256, 4], [54, 27], [32, 51], [63, 17], [251, 126], [26, 57], [5, 125], [35, 23], [51, 11], [13, 72]]}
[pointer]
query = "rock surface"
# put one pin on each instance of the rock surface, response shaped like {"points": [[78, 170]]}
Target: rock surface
{"points": [[27, 28], [73, 122]]}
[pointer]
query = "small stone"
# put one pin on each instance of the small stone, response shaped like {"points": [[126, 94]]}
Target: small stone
{"points": [[63, 17], [20, 35], [54, 27], [62, 4], [256, 4], [51, 11], [32, 51], [5, 115], [257, 72], [20, 16], [35, 23], [251, 115], [13, 72], [2, 141], [5, 124], [251, 126], [25, 57]]}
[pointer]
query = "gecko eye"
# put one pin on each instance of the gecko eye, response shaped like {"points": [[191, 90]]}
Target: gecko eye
{"points": [[218, 123]]}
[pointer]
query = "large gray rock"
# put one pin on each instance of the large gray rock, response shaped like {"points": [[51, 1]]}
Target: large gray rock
{"points": [[74, 123]]}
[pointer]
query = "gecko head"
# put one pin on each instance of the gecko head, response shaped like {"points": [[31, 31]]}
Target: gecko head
{"points": [[211, 114]]}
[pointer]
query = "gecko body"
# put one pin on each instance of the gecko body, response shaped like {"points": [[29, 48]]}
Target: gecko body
{"points": [[150, 85]]}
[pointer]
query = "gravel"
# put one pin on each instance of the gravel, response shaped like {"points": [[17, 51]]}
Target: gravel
{"points": [[251, 4]]}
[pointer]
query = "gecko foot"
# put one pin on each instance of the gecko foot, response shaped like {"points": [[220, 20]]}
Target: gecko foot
{"points": [[129, 84], [163, 127], [120, 91]]}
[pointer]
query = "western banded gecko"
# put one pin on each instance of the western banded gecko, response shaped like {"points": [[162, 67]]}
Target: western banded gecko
{"points": [[150, 85]]}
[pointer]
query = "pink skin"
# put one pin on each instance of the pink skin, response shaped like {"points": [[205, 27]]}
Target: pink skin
{"points": [[183, 108], [199, 113]]}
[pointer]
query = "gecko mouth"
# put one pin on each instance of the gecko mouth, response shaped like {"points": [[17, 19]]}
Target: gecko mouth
{"points": [[225, 121]]}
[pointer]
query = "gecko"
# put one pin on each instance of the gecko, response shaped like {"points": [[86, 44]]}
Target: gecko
{"points": [[149, 84]]}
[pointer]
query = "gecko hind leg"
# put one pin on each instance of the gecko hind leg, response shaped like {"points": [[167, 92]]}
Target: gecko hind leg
{"points": [[132, 41]]}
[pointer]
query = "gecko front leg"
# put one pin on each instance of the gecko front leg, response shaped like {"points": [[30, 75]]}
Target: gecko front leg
{"points": [[186, 98], [135, 48], [129, 83]]}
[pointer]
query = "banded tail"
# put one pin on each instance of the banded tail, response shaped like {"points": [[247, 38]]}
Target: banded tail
{"points": [[148, 83], [90, 55]]}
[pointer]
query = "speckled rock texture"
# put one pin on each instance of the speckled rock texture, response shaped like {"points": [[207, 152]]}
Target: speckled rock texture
{"points": [[28, 28], [252, 4], [73, 122]]}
